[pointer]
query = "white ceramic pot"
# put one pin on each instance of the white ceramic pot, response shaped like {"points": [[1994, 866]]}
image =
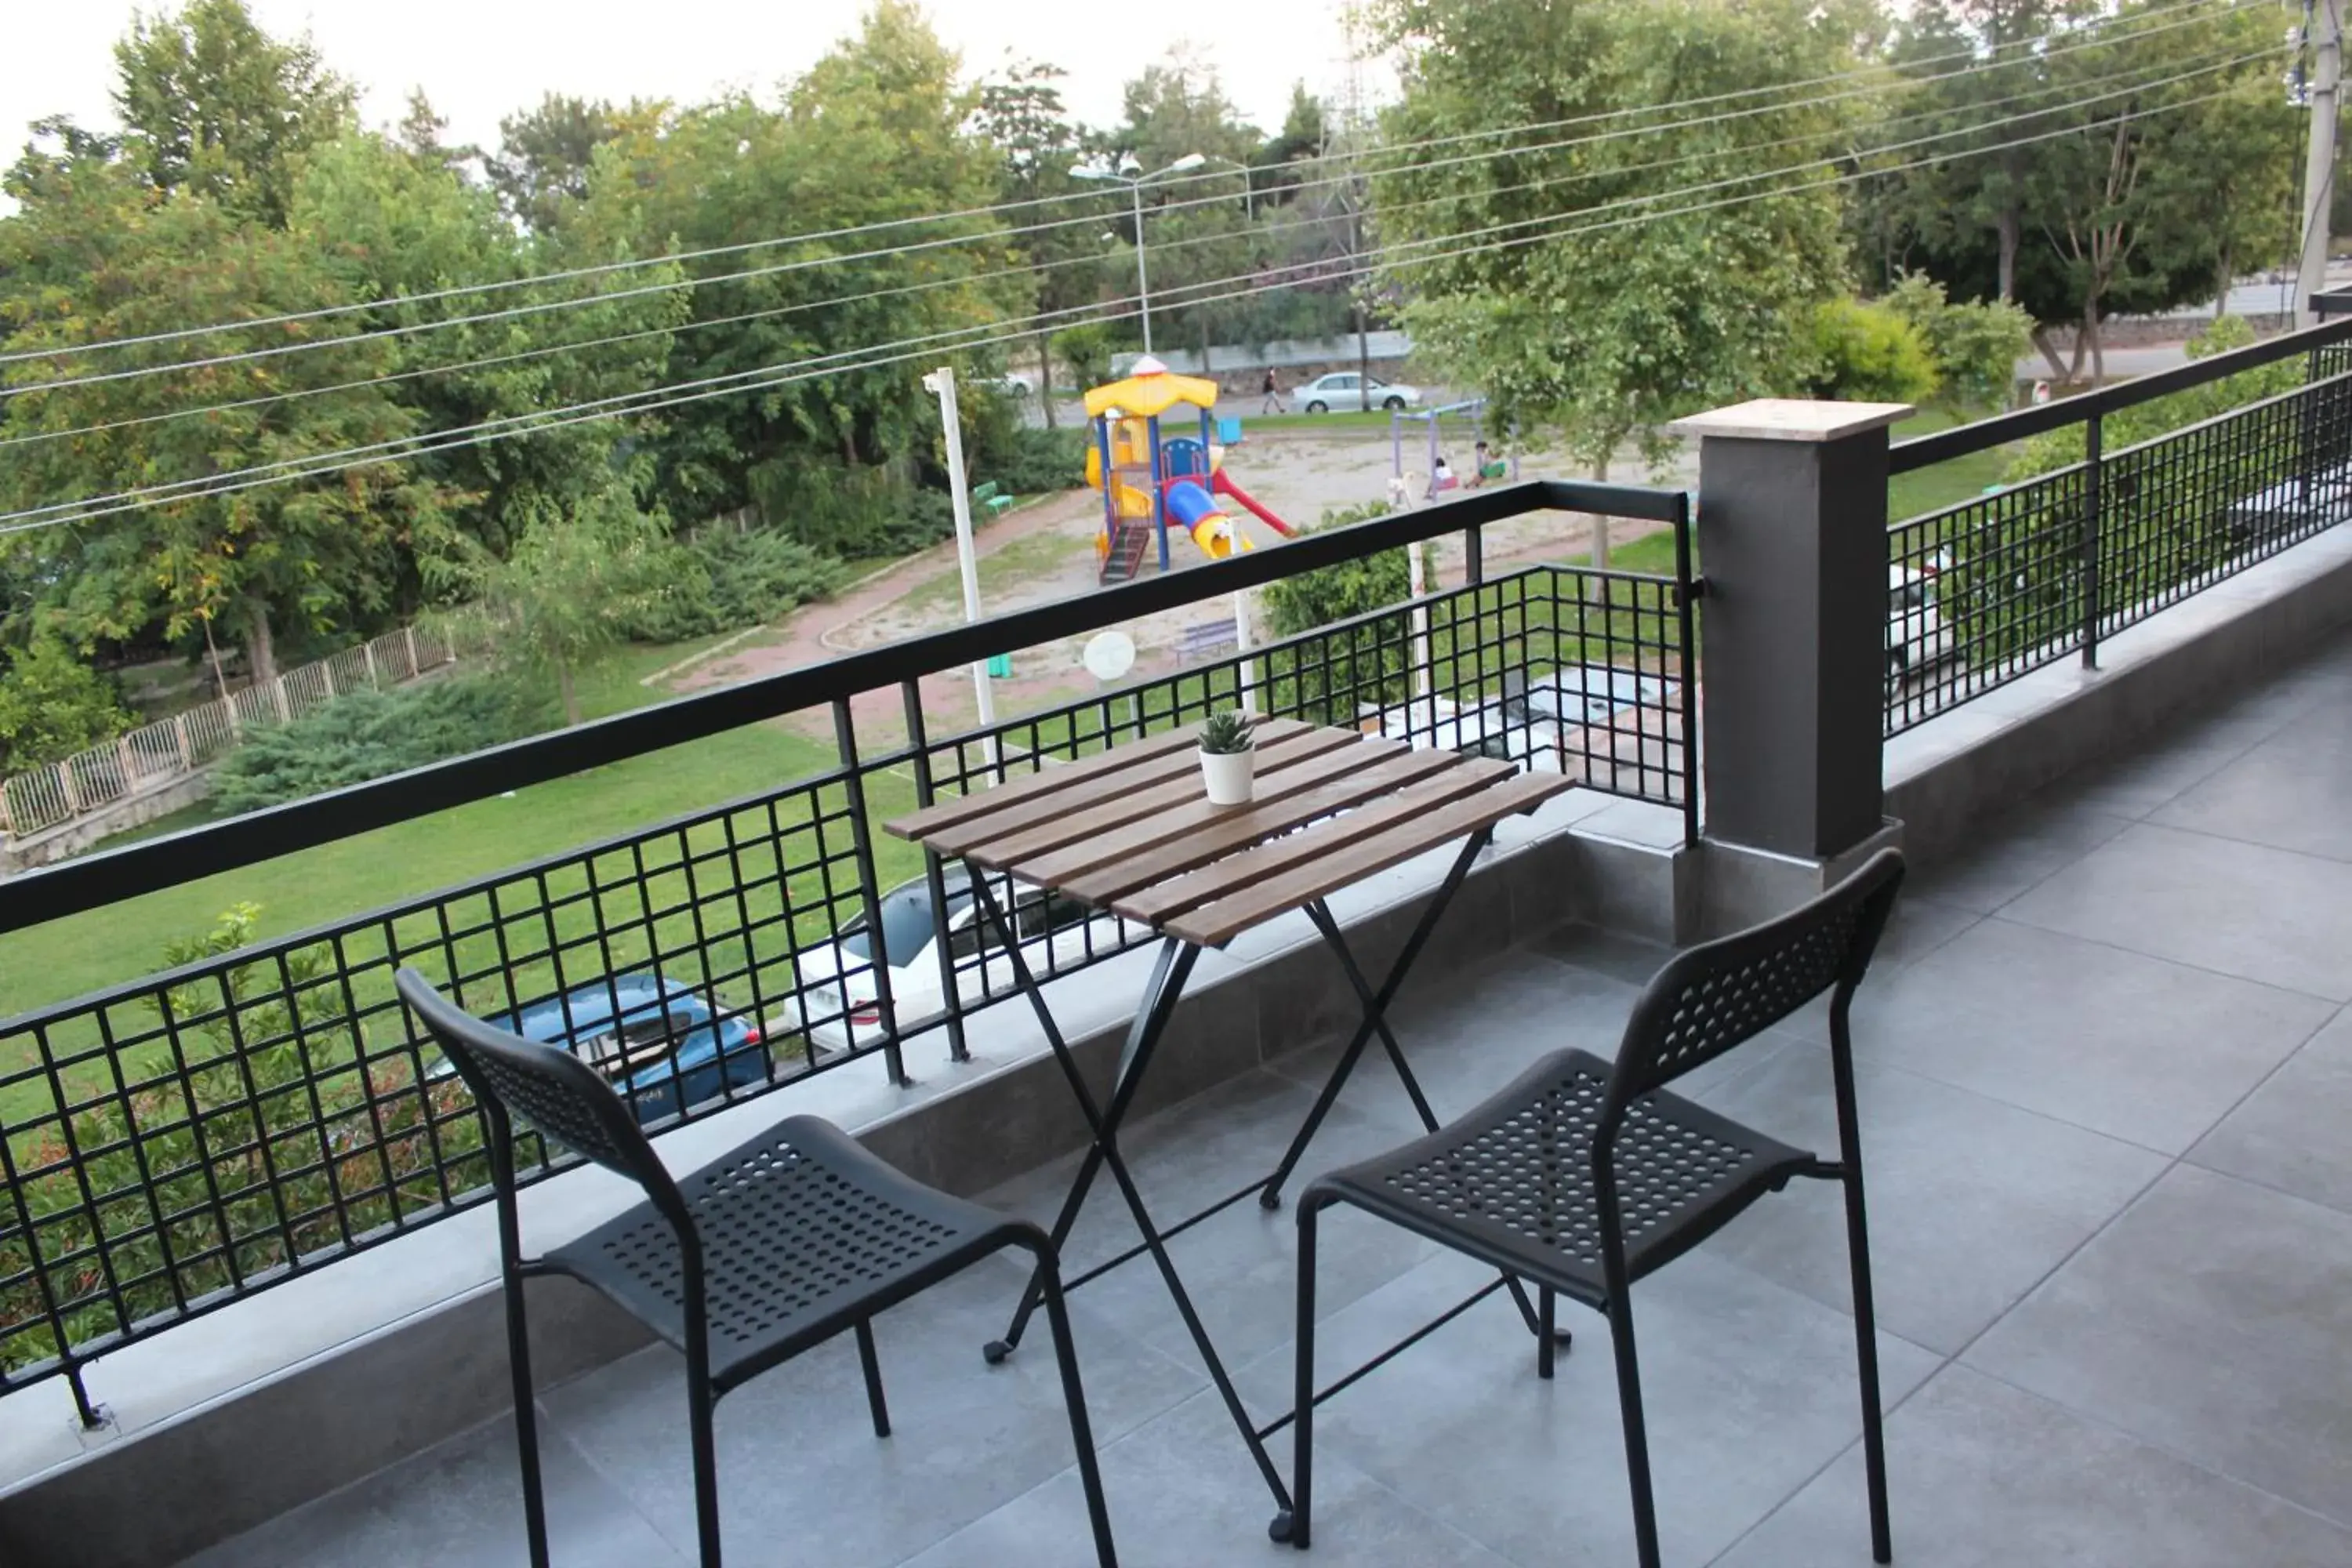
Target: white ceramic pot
{"points": [[1228, 776]]}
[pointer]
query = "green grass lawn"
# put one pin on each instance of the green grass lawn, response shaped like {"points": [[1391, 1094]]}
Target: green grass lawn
{"points": [[1946, 484], [1037, 555], [69, 957]]}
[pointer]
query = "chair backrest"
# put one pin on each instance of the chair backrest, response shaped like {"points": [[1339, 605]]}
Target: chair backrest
{"points": [[555, 1090], [1712, 997]]}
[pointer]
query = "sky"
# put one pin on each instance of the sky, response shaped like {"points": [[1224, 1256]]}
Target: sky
{"points": [[480, 59]]}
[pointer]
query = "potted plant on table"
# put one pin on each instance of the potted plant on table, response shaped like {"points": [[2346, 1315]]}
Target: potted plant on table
{"points": [[1228, 756]]}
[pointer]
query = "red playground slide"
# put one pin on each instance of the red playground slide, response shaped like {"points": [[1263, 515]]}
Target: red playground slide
{"points": [[1225, 487]]}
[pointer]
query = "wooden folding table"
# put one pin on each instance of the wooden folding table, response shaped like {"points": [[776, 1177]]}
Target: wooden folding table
{"points": [[1130, 830]]}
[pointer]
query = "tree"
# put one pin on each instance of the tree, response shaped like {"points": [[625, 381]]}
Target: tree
{"points": [[1589, 303], [1197, 231], [211, 104], [2149, 175], [53, 705], [564, 598], [314, 551], [877, 133], [2147, 205], [541, 167], [1021, 114]]}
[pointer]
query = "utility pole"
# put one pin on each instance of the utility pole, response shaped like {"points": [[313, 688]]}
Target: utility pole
{"points": [[941, 382], [2319, 163]]}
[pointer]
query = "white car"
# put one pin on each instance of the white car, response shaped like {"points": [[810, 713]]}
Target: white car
{"points": [[1587, 696], [1485, 730], [840, 1006], [1344, 389], [1917, 636], [1013, 384]]}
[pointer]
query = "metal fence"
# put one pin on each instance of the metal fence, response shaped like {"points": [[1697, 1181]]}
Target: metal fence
{"points": [[177, 1142], [1986, 591], [154, 754]]}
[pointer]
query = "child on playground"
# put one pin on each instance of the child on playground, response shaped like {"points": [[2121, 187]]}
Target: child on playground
{"points": [[1478, 461], [1273, 404]]}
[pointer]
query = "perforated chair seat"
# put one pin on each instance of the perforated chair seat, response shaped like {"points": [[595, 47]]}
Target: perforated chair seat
{"points": [[803, 1233], [1511, 1182]]}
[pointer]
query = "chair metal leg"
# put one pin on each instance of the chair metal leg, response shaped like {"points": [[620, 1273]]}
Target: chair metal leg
{"points": [[706, 1463], [1057, 1320], [1547, 1308], [1865, 1314], [1293, 1525], [526, 1419], [873, 1365], [1637, 1438]]}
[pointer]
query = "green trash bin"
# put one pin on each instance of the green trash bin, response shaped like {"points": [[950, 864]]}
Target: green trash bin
{"points": [[1000, 667]]}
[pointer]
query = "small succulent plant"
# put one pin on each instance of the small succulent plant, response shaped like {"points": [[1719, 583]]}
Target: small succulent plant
{"points": [[1228, 732]]}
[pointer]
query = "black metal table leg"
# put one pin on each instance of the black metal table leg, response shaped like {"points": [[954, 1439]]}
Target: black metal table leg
{"points": [[1375, 1004], [1173, 967]]}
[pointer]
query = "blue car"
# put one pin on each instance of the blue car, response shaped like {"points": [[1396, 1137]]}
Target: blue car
{"points": [[670, 1049]]}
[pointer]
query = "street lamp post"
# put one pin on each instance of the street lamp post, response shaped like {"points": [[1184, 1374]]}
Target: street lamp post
{"points": [[1129, 173]]}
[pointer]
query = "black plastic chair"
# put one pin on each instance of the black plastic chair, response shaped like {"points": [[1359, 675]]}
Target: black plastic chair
{"points": [[1584, 1176], [770, 1249]]}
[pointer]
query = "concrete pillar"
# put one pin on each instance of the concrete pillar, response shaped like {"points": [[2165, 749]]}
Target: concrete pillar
{"points": [[1793, 543]]}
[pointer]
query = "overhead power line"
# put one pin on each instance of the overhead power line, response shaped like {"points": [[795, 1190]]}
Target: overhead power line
{"points": [[964, 340], [2105, 35], [2204, 65]]}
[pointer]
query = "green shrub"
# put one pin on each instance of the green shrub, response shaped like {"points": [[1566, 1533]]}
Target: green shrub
{"points": [[1868, 354], [1364, 665], [366, 735], [1087, 351], [53, 705], [280, 1118], [1036, 462], [2146, 421], [1974, 344], [725, 580]]}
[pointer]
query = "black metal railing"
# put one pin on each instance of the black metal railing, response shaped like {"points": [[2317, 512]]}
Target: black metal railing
{"points": [[1986, 591], [177, 1143]]}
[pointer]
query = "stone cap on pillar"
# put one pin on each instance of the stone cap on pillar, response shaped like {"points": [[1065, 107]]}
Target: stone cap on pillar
{"points": [[1791, 419]]}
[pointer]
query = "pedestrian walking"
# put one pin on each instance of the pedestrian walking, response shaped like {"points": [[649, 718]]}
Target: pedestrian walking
{"points": [[1273, 404]]}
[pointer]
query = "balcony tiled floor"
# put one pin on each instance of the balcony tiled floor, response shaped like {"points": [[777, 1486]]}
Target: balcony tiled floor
{"points": [[2107, 1084]]}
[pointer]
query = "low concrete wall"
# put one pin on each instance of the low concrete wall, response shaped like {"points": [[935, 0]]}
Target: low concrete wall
{"points": [[1947, 776], [70, 838]]}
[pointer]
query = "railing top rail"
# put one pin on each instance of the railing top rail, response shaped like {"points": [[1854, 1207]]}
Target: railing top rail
{"points": [[1924, 451], [91, 882]]}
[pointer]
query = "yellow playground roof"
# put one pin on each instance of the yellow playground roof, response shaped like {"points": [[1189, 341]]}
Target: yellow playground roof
{"points": [[1153, 389]]}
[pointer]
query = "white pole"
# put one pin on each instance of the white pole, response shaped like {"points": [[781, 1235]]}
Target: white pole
{"points": [[2319, 164], [1424, 677], [942, 382], [1142, 282]]}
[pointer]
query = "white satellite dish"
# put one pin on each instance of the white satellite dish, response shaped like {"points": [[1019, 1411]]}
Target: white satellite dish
{"points": [[1108, 656]]}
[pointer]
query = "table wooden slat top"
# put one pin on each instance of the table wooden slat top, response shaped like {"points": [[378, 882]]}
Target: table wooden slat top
{"points": [[1131, 830]]}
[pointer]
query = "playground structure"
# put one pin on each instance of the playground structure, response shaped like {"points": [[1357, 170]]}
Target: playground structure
{"points": [[1442, 477], [1147, 483]]}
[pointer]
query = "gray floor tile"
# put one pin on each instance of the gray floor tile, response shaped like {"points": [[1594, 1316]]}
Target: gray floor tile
{"points": [[1971, 1200], [2288, 793], [1204, 1149], [1749, 1389], [801, 1476], [1980, 1475], [2211, 1319], [455, 1506], [2266, 914], [2132, 1046], [2016, 852], [1610, 953], [2145, 778], [1183, 1494], [2290, 1133]]}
